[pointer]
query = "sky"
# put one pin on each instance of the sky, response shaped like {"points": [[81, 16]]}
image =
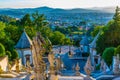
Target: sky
{"points": [[66, 4]]}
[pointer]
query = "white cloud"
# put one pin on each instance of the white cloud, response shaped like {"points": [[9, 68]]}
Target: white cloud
{"points": [[58, 3]]}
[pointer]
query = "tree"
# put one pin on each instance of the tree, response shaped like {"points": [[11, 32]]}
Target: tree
{"points": [[96, 30], [2, 50], [13, 32], [6, 19], [117, 51], [2, 33], [57, 38], [14, 55], [108, 55], [26, 21], [110, 36], [39, 21], [117, 15], [9, 54]]}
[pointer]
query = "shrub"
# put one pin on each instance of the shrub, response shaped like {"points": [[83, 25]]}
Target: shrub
{"points": [[2, 50], [117, 50], [9, 54], [14, 55], [108, 55]]}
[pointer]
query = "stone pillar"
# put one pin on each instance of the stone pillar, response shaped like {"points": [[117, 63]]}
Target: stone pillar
{"points": [[116, 63]]}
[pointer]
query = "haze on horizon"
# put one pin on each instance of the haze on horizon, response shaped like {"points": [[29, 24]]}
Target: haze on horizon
{"points": [[65, 4]]}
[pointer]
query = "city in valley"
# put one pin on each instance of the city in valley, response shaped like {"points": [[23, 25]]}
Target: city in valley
{"points": [[59, 40]]}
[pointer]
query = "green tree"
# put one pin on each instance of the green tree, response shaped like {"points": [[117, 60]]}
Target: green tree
{"points": [[39, 21], [6, 19], [9, 54], [13, 32], [96, 30], [57, 38], [110, 35], [2, 50], [14, 55], [108, 55], [2, 33], [26, 21], [117, 50]]}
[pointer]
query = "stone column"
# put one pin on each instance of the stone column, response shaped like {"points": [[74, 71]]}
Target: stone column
{"points": [[116, 64]]}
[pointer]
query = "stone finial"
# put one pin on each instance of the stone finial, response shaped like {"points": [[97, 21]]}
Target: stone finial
{"points": [[103, 66], [77, 68], [88, 68]]}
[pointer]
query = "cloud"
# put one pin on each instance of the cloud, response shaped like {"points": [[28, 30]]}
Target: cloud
{"points": [[57, 3]]}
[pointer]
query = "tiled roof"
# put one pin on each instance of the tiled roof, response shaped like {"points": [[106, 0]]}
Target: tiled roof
{"points": [[24, 41]]}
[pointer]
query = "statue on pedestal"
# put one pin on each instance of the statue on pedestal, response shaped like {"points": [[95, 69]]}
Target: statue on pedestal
{"points": [[9, 67], [28, 67], [51, 61], [103, 66], [37, 51], [77, 68], [17, 65], [88, 68]]}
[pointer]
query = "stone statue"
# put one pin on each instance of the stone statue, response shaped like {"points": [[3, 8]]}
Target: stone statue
{"points": [[58, 63], [51, 61], [37, 51], [17, 65], [88, 68], [9, 67], [28, 67], [77, 68], [103, 66]]}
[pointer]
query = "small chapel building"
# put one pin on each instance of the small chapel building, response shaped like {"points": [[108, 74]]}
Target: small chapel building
{"points": [[23, 48]]}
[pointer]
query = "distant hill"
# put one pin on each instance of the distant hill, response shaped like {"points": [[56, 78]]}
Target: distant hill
{"points": [[105, 9], [47, 10]]}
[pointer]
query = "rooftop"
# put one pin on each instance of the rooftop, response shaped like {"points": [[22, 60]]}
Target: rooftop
{"points": [[24, 41]]}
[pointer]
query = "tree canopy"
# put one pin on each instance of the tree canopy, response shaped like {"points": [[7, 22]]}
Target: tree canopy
{"points": [[2, 50], [108, 55], [117, 51], [110, 36]]}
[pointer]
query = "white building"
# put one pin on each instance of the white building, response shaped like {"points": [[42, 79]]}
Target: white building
{"points": [[24, 49]]}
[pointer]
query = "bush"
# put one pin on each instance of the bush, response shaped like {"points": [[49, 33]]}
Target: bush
{"points": [[108, 55], [2, 50], [9, 54], [117, 51], [14, 55]]}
